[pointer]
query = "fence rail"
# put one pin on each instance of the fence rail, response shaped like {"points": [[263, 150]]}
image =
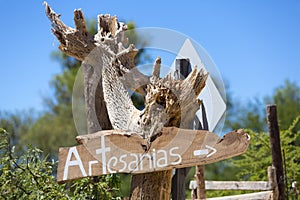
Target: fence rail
{"points": [[238, 185], [256, 195], [268, 189]]}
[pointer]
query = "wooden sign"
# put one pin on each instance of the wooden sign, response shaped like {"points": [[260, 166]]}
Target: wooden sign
{"points": [[108, 152]]}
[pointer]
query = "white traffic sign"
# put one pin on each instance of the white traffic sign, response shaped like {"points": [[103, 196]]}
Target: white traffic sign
{"points": [[214, 103]]}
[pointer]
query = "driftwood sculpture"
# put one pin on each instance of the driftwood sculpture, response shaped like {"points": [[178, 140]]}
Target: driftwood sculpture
{"points": [[109, 72]]}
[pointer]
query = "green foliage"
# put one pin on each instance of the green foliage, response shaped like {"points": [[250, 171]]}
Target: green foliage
{"points": [[104, 187], [253, 164], [51, 132], [17, 124], [30, 176], [27, 176], [290, 141], [57, 123], [125, 185], [252, 115], [287, 99]]}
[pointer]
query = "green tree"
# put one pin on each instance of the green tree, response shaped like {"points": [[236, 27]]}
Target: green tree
{"points": [[17, 123], [56, 127], [287, 99], [260, 146], [253, 114]]}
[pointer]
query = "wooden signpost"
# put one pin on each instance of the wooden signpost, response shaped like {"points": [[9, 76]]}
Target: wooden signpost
{"points": [[108, 152], [154, 146]]}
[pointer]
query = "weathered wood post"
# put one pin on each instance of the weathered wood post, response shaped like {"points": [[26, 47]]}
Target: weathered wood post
{"points": [[274, 135], [273, 181], [200, 169], [182, 68]]}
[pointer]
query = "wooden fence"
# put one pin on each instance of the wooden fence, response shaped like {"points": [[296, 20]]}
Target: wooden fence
{"points": [[267, 189], [271, 189]]}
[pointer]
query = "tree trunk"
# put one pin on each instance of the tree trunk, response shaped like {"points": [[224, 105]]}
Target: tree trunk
{"points": [[155, 185]]}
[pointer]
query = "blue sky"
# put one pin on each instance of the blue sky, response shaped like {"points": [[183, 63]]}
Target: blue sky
{"points": [[255, 44]]}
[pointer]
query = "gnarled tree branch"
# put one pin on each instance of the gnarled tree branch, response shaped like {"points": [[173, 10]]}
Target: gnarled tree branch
{"points": [[78, 43]]}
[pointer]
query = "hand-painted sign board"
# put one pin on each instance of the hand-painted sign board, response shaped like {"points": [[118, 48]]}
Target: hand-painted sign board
{"points": [[112, 151]]}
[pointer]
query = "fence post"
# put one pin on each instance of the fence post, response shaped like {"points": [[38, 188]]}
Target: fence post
{"points": [[273, 181], [200, 169], [200, 179], [274, 135]]}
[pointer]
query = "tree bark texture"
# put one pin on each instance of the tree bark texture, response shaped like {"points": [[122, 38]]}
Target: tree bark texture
{"points": [[154, 185], [109, 72]]}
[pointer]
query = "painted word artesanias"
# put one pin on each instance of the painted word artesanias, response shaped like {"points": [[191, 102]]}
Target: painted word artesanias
{"points": [[112, 161]]}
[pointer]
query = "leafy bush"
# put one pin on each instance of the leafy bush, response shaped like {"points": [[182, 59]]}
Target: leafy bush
{"points": [[31, 176]]}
